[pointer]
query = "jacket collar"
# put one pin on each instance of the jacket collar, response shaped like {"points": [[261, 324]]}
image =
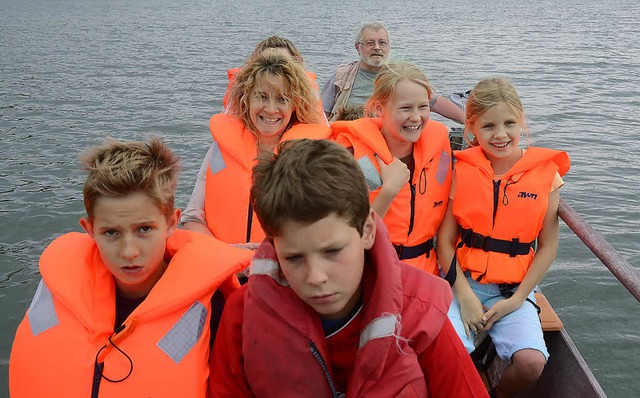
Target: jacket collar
{"points": [[532, 157], [367, 131], [86, 287], [383, 299]]}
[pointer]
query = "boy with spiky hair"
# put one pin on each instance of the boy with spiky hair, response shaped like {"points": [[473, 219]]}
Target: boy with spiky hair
{"points": [[124, 310], [329, 309]]}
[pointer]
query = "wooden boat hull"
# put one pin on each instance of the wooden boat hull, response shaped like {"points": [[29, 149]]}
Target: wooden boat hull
{"points": [[565, 375]]}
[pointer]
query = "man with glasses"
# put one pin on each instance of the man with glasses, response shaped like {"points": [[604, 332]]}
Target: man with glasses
{"points": [[349, 88]]}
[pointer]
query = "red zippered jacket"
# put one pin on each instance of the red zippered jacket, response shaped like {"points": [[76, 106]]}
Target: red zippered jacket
{"points": [[271, 344]]}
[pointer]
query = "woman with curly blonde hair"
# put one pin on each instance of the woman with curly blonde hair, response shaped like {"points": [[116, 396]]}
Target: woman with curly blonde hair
{"points": [[271, 100], [275, 45]]}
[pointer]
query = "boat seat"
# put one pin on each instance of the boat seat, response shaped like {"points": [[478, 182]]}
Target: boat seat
{"points": [[548, 317]]}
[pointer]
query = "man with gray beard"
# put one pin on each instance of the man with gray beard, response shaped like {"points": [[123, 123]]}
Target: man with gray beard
{"points": [[351, 85]]}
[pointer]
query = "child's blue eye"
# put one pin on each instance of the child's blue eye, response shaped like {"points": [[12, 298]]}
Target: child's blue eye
{"points": [[145, 228], [110, 233]]}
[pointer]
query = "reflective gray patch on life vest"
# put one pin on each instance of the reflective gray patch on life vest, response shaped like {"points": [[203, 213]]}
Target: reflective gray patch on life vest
{"points": [[268, 267], [444, 167], [184, 335], [383, 326], [42, 313], [370, 173], [216, 163]]}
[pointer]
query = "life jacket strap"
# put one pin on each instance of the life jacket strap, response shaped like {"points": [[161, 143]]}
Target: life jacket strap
{"points": [[507, 290], [511, 247], [453, 271], [408, 252]]}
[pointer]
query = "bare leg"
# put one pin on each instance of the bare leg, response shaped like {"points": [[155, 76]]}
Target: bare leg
{"points": [[525, 369]]}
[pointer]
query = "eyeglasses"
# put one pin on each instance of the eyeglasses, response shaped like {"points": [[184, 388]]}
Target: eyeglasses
{"points": [[371, 43]]}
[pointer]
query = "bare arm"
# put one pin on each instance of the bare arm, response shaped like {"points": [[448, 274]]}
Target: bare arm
{"points": [[470, 306], [394, 176], [444, 107], [546, 253]]}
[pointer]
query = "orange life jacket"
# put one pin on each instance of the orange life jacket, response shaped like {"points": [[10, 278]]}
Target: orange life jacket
{"points": [[418, 209], [163, 349], [228, 211], [501, 219]]}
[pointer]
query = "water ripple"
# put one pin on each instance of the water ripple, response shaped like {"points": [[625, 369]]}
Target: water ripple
{"points": [[76, 72]]}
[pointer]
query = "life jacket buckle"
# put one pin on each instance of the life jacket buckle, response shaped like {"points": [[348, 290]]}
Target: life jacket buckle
{"points": [[480, 241], [513, 247], [399, 249]]}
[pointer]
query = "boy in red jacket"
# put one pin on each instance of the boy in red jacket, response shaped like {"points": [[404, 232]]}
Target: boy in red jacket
{"points": [[329, 309]]}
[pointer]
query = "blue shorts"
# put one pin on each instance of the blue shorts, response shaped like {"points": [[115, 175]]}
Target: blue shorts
{"points": [[516, 331]]}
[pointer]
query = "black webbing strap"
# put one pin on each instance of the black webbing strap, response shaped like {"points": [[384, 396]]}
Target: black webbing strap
{"points": [[511, 247], [452, 274], [507, 290], [408, 252]]}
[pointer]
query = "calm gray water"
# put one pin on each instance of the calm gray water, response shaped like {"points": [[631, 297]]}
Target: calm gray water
{"points": [[73, 72]]}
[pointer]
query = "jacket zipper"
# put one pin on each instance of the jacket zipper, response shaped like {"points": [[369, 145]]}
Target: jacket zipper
{"points": [[413, 208], [496, 197], [119, 333], [97, 377], [323, 365], [249, 222]]}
